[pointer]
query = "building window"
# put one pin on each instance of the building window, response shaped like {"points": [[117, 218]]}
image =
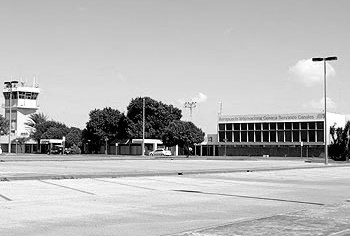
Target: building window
{"points": [[280, 126], [14, 95], [320, 134], [257, 136], [312, 125], [288, 125], [244, 136], [236, 136], [312, 136], [221, 126], [272, 126], [273, 136], [251, 136], [228, 126], [221, 136], [265, 126], [265, 136], [288, 135], [319, 125], [243, 126], [236, 126], [303, 135], [250, 126], [303, 125], [296, 125], [229, 136], [22, 95], [280, 136], [258, 126], [296, 136]]}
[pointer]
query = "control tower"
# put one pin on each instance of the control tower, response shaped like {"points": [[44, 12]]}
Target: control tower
{"points": [[21, 100]]}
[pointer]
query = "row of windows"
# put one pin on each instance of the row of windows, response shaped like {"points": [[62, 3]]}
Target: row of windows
{"points": [[272, 136], [273, 126], [21, 95]]}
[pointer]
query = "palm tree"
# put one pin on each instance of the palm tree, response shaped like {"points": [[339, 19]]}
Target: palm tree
{"points": [[35, 119]]}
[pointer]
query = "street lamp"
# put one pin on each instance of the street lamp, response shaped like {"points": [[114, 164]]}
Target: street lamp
{"points": [[190, 105], [324, 59], [9, 86]]}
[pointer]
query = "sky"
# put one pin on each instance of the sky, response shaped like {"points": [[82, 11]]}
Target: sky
{"points": [[252, 56]]}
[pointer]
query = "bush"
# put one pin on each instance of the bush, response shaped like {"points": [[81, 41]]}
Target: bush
{"points": [[75, 149]]}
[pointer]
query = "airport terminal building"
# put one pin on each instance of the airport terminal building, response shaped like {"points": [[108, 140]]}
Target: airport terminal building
{"points": [[298, 134]]}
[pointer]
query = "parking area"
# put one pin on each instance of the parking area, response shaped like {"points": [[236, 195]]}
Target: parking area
{"points": [[169, 205]]}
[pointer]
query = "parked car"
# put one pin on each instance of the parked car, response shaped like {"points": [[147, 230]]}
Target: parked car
{"points": [[56, 149], [67, 151], [160, 152]]}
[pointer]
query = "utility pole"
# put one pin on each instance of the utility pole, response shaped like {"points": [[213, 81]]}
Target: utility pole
{"points": [[190, 105]]}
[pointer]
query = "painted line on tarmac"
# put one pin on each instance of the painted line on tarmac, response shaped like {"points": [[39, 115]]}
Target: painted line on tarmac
{"points": [[6, 198], [250, 197], [63, 186], [129, 185], [172, 182], [341, 233]]}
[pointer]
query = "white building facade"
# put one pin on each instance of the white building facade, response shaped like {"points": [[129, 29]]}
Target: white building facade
{"points": [[22, 100], [296, 134]]}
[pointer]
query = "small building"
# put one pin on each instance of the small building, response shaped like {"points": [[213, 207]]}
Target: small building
{"points": [[46, 145]]}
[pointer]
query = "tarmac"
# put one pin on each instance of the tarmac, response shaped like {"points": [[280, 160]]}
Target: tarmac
{"points": [[121, 195], [331, 220]]}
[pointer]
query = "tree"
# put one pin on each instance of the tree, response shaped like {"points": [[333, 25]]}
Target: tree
{"points": [[74, 137], [182, 133], [36, 119], [102, 124], [55, 132], [157, 115], [339, 147], [49, 130], [4, 125]]}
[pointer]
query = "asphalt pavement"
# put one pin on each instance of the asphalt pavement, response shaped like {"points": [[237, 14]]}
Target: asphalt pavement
{"points": [[187, 197]]}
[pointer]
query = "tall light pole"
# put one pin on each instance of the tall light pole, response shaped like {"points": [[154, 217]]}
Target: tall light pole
{"points": [[190, 105], [325, 59], [143, 126]]}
